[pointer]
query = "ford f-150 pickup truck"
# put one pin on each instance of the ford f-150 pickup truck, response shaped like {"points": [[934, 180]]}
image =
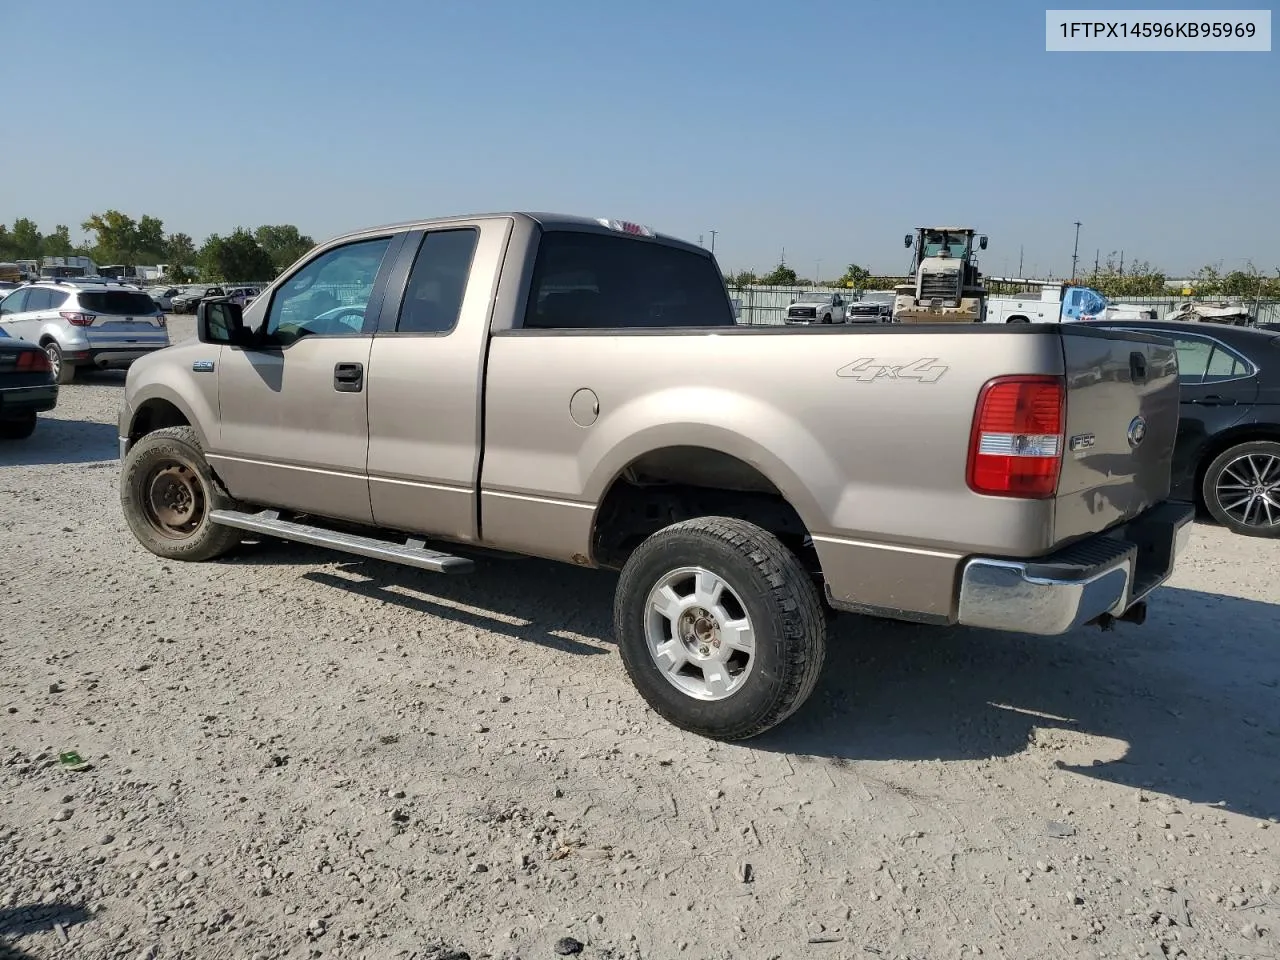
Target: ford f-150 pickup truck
{"points": [[438, 392]]}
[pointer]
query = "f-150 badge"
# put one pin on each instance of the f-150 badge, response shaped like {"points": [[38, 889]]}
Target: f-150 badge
{"points": [[924, 370]]}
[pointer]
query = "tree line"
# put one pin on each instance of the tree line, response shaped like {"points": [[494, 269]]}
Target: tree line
{"points": [[1112, 279], [116, 237]]}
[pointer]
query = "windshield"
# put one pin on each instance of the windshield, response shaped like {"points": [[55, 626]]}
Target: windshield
{"points": [[956, 243]]}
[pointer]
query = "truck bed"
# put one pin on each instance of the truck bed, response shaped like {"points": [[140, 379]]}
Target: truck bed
{"points": [[865, 431]]}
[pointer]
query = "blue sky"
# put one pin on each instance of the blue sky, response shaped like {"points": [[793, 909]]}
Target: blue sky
{"points": [[828, 128]]}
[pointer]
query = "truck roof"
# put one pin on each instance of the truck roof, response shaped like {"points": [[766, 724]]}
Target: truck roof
{"points": [[550, 221]]}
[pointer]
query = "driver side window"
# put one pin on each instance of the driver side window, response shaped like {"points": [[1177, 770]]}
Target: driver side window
{"points": [[329, 296]]}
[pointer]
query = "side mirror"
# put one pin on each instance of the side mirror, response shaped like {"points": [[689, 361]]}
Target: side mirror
{"points": [[982, 243], [222, 322], [906, 241]]}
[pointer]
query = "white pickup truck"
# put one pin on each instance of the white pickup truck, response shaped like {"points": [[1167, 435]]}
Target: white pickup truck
{"points": [[1062, 304]]}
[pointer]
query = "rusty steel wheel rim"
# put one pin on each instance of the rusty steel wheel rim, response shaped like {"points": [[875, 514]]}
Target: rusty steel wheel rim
{"points": [[174, 501]]}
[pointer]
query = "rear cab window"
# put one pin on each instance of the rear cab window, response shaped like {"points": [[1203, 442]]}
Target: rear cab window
{"points": [[587, 280]]}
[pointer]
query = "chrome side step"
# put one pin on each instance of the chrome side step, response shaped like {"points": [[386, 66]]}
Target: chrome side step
{"points": [[413, 552]]}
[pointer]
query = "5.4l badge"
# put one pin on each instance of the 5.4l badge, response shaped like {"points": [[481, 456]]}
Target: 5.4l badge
{"points": [[866, 369]]}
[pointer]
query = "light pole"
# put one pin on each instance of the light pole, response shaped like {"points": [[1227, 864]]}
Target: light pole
{"points": [[1075, 251], [713, 240], [817, 275]]}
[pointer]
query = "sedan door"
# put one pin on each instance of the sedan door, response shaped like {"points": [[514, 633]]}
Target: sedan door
{"points": [[294, 411]]}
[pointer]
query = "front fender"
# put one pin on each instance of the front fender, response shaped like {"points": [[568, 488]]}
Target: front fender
{"points": [[731, 423], [166, 376]]}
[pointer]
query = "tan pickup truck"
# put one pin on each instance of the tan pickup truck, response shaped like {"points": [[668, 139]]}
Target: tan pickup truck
{"points": [[578, 390]]}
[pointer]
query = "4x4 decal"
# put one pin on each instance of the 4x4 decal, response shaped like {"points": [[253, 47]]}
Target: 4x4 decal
{"points": [[866, 369]]}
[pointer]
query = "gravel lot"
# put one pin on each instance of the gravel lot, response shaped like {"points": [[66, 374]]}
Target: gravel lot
{"points": [[292, 754]]}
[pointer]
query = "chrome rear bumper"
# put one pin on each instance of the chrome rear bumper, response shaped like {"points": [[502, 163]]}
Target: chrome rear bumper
{"points": [[1102, 576]]}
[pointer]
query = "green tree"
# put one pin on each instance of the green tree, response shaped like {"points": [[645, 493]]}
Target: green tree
{"points": [[235, 257], [780, 276], [150, 238], [7, 250], [58, 243], [855, 277], [116, 236], [743, 278], [180, 254], [26, 239], [283, 243]]}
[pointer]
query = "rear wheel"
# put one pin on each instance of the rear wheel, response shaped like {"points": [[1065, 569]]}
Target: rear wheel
{"points": [[720, 627], [63, 372], [1241, 488], [18, 428], [167, 492]]}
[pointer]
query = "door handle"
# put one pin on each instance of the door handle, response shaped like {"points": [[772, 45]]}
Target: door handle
{"points": [[1138, 367], [348, 377], [1214, 400]]}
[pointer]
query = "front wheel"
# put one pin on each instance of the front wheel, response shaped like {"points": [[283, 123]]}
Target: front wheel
{"points": [[720, 627], [167, 492], [1241, 488]]}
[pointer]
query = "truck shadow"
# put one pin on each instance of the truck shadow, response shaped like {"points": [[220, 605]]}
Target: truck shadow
{"points": [[1187, 705], [19, 921], [553, 605], [59, 441]]}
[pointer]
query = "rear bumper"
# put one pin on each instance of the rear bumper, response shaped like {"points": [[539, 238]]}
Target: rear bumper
{"points": [[16, 400], [1104, 575]]}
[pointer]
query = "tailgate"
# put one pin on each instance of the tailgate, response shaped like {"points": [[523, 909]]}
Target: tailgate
{"points": [[1122, 419]]}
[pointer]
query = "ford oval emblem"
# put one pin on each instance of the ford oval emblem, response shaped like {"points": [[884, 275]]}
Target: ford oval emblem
{"points": [[1137, 431]]}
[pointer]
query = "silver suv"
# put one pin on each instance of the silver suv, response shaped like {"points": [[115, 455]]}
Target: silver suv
{"points": [[85, 324]]}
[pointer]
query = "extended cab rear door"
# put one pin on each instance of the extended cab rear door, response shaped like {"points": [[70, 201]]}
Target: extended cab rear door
{"points": [[426, 378], [294, 411]]}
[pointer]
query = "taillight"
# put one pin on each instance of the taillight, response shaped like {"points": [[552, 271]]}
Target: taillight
{"points": [[78, 319], [162, 320], [1016, 446], [34, 361]]}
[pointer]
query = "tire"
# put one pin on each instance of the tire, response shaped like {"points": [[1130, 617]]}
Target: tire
{"points": [[168, 465], [63, 372], [1017, 320], [18, 428], [1241, 488], [764, 585]]}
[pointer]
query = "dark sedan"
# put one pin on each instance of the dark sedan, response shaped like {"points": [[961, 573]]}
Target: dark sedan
{"points": [[1227, 455], [27, 387]]}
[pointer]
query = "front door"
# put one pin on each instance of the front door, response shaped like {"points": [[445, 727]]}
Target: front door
{"points": [[294, 411]]}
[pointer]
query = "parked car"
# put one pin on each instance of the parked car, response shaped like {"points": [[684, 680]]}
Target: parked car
{"points": [[163, 296], [816, 308], [242, 295], [89, 325], [870, 308], [189, 298], [850, 464], [27, 387], [1227, 457]]}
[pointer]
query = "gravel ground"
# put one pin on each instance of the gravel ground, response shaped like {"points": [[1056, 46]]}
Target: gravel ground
{"points": [[292, 754]]}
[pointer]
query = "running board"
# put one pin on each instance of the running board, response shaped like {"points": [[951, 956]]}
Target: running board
{"points": [[413, 552]]}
